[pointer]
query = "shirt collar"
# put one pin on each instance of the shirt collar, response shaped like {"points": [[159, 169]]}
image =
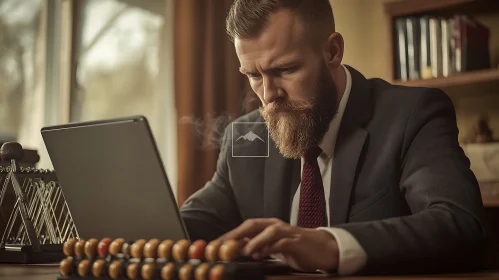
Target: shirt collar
{"points": [[328, 142]]}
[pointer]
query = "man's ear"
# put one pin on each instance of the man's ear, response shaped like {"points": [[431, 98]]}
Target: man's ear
{"points": [[334, 50]]}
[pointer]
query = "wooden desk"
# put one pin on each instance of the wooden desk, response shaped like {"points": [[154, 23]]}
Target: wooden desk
{"points": [[50, 272]]}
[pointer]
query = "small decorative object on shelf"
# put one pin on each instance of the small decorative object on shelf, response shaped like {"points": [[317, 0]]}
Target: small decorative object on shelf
{"points": [[483, 152], [162, 259], [480, 132], [38, 218]]}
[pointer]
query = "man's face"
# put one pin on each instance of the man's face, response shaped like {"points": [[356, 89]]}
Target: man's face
{"points": [[290, 76]]}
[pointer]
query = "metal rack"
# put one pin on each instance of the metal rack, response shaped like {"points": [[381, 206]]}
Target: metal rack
{"points": [[37, 220]]}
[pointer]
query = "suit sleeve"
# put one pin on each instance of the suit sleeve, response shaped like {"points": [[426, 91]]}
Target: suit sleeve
{"points": [[445, 231], [212, 211]]}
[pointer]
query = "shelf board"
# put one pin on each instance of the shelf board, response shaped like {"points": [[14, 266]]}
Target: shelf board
{"points": [[459, 79], [490, 202], [411, 7]]}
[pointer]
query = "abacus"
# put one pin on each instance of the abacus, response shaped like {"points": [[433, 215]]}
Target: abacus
{"points": [[39, 220], [156, 259]]}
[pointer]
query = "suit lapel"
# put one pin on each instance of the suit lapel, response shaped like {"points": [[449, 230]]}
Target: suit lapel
{"points": [[349, 146], [280, 183]]}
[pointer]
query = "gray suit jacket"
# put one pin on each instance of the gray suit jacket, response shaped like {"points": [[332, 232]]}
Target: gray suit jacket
{"points": [[401, 184]]}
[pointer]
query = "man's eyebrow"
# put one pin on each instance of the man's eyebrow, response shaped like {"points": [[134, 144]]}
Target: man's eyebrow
{"points": [[275, 66], [284, 63], [242, 70]]}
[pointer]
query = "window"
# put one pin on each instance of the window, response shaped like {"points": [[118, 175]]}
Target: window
{"points": [[22, 52], [79, 60]]}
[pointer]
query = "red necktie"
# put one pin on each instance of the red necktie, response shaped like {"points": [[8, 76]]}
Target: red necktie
{"points": [[312, 209]]}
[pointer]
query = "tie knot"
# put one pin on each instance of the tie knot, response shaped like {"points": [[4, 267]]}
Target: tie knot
{"points": [[312, 153]]}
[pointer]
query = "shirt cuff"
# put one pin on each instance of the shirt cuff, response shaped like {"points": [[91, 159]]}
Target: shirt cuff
{"points": [[352, 256]]}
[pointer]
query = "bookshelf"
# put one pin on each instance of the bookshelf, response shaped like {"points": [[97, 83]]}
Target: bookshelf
{"points": [[454, 35], [403, 9]]}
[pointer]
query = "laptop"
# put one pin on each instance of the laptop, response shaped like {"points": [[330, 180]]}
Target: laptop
{"points": [[113, 179]]}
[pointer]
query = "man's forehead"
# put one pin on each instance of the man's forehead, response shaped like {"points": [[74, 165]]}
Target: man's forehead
{"points": [[283, 36]]}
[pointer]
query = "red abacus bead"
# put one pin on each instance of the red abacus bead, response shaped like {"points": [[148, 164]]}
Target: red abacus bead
{"points": [[217, 272], [103, 247], [196, 250]]}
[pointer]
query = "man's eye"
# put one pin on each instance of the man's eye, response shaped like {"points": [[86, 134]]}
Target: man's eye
{"points": [[253, 75], [287, 70]]}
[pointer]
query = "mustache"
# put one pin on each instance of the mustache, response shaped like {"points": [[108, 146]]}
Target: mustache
{"points": [[286, 107]]}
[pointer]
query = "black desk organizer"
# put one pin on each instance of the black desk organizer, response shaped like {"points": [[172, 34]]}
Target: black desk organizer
{"points": [[34, 217]]}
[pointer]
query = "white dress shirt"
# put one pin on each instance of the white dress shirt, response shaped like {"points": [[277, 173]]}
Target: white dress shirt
{"points": [[352, 256]]}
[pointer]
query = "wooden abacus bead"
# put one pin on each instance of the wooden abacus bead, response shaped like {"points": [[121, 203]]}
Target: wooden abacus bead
{"points": [[151, 248], [84, 268], [180, 250], [91, 247], [98, 268], [147, 271], [202, 271], [132, 271], [103, 247], [115, 269], [80, 248], [137, 249], [116, 246], [165, 249], [196, 250], [211, 252], [217, 272], [69, 247], [185, 272], [66, 266], [229, 250], [125, 249], [168, 271]]}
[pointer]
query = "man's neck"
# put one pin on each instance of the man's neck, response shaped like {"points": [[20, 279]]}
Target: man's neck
{"points": [[340, 78]]}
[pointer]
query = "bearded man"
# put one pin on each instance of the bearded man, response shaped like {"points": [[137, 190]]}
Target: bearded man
{"points": [[361, 176]]}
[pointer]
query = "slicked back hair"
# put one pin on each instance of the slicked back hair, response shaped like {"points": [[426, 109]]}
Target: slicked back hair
{"points": [[248, 18]]}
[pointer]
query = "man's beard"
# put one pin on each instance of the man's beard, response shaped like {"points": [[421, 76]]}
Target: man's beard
{"points": [[303, 124]]}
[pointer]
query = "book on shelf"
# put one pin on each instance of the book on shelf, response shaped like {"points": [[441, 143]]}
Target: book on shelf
{"points": [[431, 47]]}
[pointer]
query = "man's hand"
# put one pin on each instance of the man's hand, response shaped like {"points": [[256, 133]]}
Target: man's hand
{"points": [[302, 249]]}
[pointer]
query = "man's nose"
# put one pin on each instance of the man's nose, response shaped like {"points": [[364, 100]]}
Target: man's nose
{"points": [[271, 91]]}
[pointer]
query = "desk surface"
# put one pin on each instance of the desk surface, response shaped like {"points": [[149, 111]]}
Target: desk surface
{"points": [[50, 272]]}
